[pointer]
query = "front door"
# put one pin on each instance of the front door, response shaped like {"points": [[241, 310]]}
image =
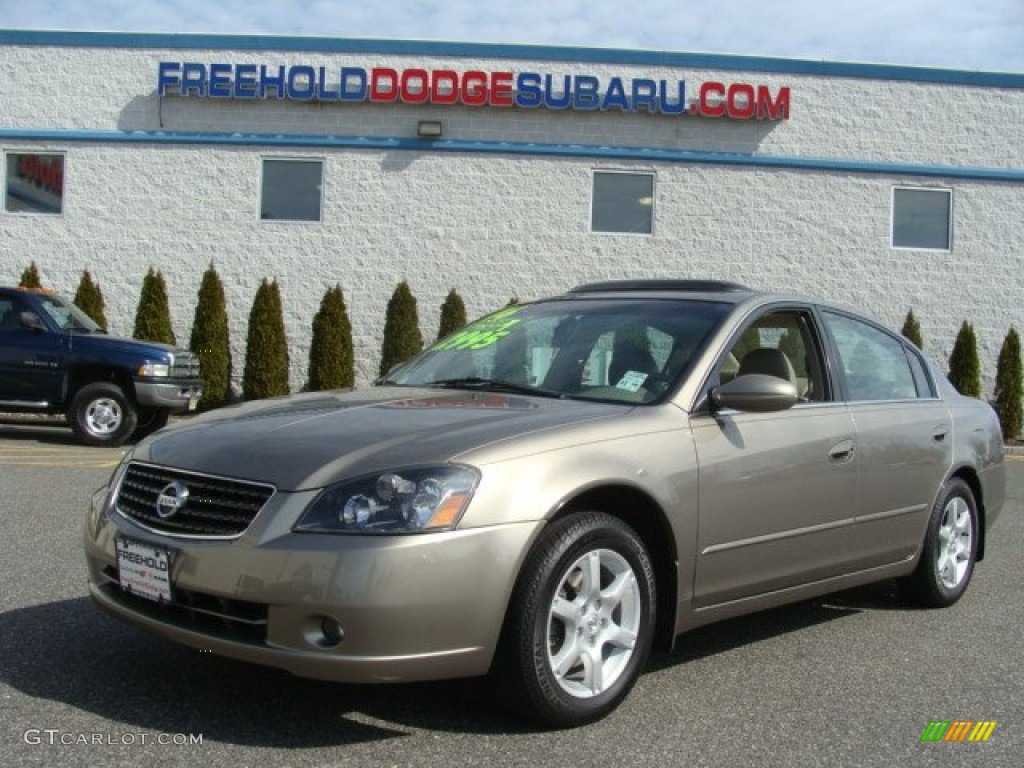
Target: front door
{"points": [[777, 491]]}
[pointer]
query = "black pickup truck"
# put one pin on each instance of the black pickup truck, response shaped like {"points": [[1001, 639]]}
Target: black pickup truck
{"points": [[55, 360]]}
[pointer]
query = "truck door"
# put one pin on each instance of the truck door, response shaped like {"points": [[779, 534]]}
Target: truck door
{"points": [[30, 371]]}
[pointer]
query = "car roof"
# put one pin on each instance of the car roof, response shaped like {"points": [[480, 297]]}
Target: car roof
{"points": [[714, 290]]}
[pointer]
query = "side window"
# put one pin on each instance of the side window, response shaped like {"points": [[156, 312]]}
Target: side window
{"points": [[10, 313], [779, 344], [874, 363]]}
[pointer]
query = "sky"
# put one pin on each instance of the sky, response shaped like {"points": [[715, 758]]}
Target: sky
{"points": [[949, 34]]}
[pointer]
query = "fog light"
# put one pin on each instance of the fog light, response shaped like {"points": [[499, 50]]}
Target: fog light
{"points": [[332, 632]]}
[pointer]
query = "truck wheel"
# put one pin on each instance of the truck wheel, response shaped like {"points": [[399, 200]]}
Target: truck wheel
{"points": [[150, 420], [101, 414]]}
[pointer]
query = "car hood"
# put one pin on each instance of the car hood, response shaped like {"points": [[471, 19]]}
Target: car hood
{"points": [[308, 441]]}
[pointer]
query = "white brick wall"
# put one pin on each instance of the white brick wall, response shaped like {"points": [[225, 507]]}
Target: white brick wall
{"points": [[497, 226]]}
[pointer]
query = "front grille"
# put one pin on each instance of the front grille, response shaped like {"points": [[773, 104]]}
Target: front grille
{"points": [[239, 620], [186, 366], [216, 507]]}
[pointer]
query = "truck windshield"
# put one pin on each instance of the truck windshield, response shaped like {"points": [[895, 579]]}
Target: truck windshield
{"points": [[68, 316]]}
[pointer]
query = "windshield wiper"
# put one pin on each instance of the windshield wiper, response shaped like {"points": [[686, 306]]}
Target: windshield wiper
{"points": [[493, 385]]}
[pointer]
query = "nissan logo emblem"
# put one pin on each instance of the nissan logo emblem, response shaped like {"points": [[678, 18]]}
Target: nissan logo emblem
{"points": [[172, 498]]}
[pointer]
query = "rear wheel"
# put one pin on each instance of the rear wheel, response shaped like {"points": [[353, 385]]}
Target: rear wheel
{"points": [[580, 625], [101, 414], [950, 548]]}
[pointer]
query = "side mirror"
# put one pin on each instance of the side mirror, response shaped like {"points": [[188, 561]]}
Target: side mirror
{"points": [[755, 392], [31, 321]]}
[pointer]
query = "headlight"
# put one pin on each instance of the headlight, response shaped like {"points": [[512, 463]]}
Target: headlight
{"points": [[99, 508], [154, 369], [403, 501]]}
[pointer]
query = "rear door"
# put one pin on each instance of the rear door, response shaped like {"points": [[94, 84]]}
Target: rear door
{"points": [[777, 491], [904, 435]]}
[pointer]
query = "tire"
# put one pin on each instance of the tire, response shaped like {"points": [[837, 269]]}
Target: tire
{"points": [[586, 592], [101, 414], [149, 421], [949, 551]]}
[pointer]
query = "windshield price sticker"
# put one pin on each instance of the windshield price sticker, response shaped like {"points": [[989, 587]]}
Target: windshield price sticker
{"points": [[482, 333], [144, 570], [631, 381]]}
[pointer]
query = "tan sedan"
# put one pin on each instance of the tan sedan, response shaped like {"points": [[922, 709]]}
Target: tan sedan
{"points": [[542, 495]]}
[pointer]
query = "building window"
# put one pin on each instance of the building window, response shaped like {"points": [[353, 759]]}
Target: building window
{"points": [[922, 218], [292, 190], [623, 202], [34, 183]]}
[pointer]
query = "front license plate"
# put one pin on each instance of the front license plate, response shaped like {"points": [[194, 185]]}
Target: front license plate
{"points": [[193, 403], [144, 570]]}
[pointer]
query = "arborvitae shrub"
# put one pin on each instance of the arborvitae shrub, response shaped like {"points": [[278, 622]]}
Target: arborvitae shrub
{"points": [[912, 330], [153, 316], [211, 342], [1009, 382], [266, 349], [30, 278], [331, 357], [453, 314], [402, 337], [89, 299], [964, 366]]}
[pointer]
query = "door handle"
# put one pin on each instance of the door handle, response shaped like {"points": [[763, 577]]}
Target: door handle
{"points": [[940, 432], [842, 452]]}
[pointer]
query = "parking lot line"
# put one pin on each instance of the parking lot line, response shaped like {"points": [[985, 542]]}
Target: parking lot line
{"points": [[58, 456]]}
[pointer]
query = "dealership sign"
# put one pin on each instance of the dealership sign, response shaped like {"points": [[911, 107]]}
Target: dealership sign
{"points": [[471, 88]]}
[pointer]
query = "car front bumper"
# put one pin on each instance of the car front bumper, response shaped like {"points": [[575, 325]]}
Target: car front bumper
{"points": [[411, 607]]}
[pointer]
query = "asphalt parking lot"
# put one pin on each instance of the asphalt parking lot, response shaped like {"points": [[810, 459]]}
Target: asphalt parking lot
{"points": [[853, 680]]}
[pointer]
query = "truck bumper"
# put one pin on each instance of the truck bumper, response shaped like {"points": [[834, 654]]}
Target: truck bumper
{"points": [[174, 396]]}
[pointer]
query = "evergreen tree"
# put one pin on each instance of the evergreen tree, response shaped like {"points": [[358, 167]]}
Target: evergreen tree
{"points": [[153, 316], [402, 337], [964, 366], [453, 314], [89, 299], [266, 349], [30, 278], [331, 357], [912, 330], [1009, 382], [210, 341]]}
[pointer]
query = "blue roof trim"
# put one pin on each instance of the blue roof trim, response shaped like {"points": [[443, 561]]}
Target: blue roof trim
{"points": [[507, 51], [516, 148]]}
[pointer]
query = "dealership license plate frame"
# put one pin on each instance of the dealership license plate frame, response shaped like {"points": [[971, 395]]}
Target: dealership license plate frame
{"points": [[146, 578]]}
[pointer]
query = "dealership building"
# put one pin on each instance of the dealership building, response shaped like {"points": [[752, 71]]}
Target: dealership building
{"points": [[504, 171]]}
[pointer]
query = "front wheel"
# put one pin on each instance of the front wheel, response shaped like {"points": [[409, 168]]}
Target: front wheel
{"points": [[101, 414], [950, 549], [580, 624]]}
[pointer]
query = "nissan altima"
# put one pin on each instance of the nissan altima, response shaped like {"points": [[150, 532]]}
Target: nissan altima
{"points": [[544, 494]]}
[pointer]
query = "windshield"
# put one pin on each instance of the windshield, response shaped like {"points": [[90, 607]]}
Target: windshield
{"points": [[67, 315], [620, 350]]}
